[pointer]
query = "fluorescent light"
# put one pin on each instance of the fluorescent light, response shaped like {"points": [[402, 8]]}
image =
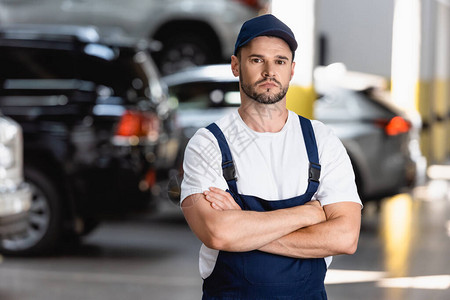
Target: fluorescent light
{"points": [[352, 276], [439, 172], [437, 282]]}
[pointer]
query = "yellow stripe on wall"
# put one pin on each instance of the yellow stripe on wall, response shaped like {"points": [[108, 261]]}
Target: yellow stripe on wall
{"points": [[424, 98], [433, 104], [441, 113], [301, 99]]}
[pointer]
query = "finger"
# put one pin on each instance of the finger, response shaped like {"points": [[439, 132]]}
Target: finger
{"points": [[222, 199], [215, 206], [229, 198], [219, 191], [215, 200]]}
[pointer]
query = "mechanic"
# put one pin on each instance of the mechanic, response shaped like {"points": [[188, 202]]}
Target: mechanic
{"points": [[271, 194]]}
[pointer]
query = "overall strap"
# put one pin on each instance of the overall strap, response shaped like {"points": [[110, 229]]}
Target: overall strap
{"points": [[229, 171], [313, 155]]}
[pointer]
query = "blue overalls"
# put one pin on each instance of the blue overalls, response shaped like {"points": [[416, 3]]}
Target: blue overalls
{"points": [[260, 275]]}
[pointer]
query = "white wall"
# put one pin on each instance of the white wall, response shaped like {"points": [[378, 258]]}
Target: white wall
{"points": [[358, 33]]}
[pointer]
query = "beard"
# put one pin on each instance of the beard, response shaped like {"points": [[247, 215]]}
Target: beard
{"points": [[263, 98]]}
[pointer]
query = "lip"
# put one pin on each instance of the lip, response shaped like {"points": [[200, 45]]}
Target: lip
{"points": [[268, 85]]}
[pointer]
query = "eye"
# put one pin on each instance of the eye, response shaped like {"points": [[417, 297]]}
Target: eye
{"points": [[256, 60], [281, 62]]}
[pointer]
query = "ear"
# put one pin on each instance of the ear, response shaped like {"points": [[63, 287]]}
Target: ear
{"points": [[235, 65], [292, 70]]}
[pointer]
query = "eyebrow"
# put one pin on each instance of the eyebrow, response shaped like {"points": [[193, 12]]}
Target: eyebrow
{"points": [[262, 56], [282, 57]]}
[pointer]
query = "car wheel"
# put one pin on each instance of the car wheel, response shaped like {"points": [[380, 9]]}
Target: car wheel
{"points": [[182, 51], [44, 222]]}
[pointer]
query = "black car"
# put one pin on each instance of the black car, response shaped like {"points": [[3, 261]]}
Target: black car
{"points": [[95, 123]]}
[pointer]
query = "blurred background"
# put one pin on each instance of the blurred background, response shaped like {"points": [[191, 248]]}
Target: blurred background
{"points": [[98, 100]]}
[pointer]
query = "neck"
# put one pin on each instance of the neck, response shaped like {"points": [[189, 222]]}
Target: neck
{"points": [[264, 117]]}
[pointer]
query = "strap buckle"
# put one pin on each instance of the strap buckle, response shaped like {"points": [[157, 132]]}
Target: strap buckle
{"points": [[314, 172], [229, 171]]}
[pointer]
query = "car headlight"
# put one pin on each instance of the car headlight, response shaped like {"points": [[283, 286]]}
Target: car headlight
{"points": [[11, 159], [6, 157], [8, 130]]}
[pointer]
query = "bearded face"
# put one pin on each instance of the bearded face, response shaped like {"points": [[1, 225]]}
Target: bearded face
{"points": [[267, 96], [265, 68]]}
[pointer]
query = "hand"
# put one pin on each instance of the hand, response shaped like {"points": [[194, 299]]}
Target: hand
{"points": [[220, 200], [318, 214]]}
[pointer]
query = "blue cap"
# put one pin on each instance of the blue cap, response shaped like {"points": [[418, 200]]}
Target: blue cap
{"points": [[265, 25]]}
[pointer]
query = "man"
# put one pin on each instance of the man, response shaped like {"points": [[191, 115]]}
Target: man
{"points": [[270, 194]]}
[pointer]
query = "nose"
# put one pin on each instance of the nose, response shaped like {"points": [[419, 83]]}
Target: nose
{"points": [[268, 71]]}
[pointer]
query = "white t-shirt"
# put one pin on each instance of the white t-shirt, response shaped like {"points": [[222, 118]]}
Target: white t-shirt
{"points": [[271, 166]]}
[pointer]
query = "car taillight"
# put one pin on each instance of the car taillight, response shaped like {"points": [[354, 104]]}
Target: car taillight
{"points": [[255, 4], [395, 126], [138, 124]]}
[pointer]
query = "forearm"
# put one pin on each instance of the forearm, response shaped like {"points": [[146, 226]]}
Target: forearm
{"points": [[312, 242], [338, 235], [236, 230], [249, 230]]}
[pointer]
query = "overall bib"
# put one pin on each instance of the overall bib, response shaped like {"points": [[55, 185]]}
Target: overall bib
{"points": [[260, 275]]}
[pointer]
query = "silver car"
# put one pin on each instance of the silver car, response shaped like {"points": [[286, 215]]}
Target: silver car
{"points": [[191, 32], [15, 196], [378, 137]]}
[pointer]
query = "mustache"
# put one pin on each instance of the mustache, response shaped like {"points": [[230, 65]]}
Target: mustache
{"points": [[268, 79]]}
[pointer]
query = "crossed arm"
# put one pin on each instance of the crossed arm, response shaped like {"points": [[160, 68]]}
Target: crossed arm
{"points": [[305, 231]]}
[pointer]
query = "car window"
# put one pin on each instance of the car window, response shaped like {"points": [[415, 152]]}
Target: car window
{"points": [[206, 94], [341, 104], [333, 105], [122, 74], [119, 74], [370, 108], [28, 63]]}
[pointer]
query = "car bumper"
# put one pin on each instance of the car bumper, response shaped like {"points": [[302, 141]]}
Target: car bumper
{"points": [[14, 207]]}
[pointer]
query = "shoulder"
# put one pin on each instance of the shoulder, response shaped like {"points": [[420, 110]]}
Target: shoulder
{"points": [[320, 129], [327, 141], [205, 138], [202, 141]]}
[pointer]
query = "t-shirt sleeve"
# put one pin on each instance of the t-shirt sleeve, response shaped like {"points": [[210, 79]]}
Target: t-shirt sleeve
{"points": [[337, 179], [202, 165]]}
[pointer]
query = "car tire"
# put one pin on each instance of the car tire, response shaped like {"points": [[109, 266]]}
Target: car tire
{"points": [[183, 50], [45, 218]]}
